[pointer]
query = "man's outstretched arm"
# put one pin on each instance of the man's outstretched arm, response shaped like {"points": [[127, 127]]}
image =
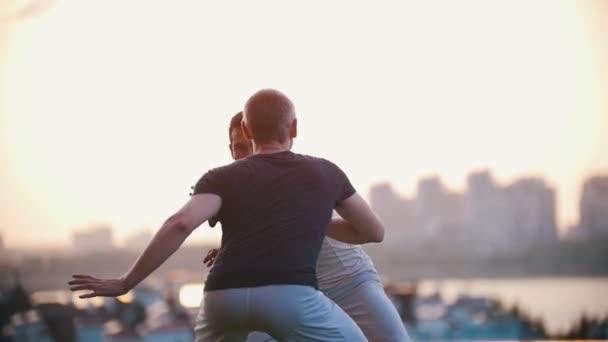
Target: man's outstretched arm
{"points": [[359, 224], [167, 240]]}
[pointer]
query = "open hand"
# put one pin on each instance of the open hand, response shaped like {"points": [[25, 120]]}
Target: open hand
{"points": [[98, 287], [211, 256]]}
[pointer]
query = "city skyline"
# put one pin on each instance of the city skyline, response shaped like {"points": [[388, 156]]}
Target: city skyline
{"points": [[401, 216], [487, 219], [113, 124]]}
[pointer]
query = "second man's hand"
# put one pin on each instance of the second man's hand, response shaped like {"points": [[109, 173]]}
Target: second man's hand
{"points": [[211, 256]]}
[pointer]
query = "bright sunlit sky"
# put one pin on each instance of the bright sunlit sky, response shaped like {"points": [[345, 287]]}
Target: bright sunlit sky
{"points": [[110, 110]]}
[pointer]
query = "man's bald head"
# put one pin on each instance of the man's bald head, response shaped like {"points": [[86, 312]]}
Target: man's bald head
{"points": [[269, 115]]}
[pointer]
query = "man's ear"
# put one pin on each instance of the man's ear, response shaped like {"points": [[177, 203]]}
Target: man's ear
{"points": [[230, 148], [246, 131], [293, 129]]}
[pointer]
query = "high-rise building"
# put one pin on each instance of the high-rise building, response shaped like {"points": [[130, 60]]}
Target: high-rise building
{"points": [[396, 213], [481, 196], [532, 209], [437, 211], [594, 207], [511, 218], [485, 215]]}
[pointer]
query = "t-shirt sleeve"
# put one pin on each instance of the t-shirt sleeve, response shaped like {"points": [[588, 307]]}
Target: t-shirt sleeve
{"points": [[209, 183], [345, 187]]}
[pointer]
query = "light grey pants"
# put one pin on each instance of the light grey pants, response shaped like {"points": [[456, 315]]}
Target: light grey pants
{"points": [[368, 305], [285, 312]]}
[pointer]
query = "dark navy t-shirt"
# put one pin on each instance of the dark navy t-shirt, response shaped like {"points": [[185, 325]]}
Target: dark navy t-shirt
{"points": [[275, 212]]}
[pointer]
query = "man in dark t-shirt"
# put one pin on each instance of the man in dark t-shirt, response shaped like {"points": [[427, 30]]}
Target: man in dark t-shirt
{"points": [[296, 191], [275, 208], [345, 274]]}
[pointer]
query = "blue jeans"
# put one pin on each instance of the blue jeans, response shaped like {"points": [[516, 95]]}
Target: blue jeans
{"points": [[285, 312]]}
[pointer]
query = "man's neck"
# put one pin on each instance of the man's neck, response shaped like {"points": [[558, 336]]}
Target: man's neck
{"points": [[274, 147]]}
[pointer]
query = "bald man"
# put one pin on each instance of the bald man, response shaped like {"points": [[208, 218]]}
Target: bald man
{"points": [[345, 273]]}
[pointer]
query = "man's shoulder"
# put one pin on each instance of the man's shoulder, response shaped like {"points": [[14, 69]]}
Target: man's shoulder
{"points": [[242, 165], [231, 167], [326, 166], [219, 172], [316, 159]]}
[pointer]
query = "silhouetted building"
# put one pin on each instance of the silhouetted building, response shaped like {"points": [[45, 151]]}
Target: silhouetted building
{"points": [[487, 215], [594, 207], [508, 219], [488, 219], [532, 205], [437, 210], [396, 213], [482, 194], [94, 239]]}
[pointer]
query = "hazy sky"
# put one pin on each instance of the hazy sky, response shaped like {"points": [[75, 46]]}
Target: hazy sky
{"points": [[110, 110]]}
